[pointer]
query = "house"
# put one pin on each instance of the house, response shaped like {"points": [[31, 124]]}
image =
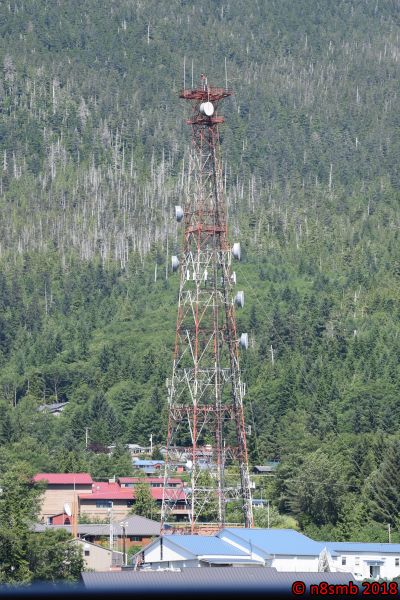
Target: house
{"points": [[177, 496], [60, 519], [259, 502], [148, 466], [54, 409], [104, 497], [109, 496], [137, 450], [285, 550], [288, 550], [131, 482], [62, 488], [179, 551], [267, 469], [365, 560], [134, 449], [137, 530], [97, 558], [238, 581]]}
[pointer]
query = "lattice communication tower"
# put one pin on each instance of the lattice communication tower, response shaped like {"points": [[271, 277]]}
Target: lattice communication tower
{"points": [[205, 391]]}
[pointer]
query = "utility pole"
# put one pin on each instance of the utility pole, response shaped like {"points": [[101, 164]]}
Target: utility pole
{"points": [[74, 527], [206, 391], [111, 527], [86, 437], [123, 525]]}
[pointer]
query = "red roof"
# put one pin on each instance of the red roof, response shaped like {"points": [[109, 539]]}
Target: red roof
{"points": [[103, 490], [112, 491], [64, 478], [171, 493]]}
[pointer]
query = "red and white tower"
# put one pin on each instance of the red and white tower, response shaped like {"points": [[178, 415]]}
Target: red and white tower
{"points": [[205, 391]]}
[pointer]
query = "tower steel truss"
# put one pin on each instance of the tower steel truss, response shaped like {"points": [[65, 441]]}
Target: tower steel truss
{"points": [[205, 392]]}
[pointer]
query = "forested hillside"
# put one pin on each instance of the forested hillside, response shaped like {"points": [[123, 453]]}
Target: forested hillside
{"points": [[93, 155]]}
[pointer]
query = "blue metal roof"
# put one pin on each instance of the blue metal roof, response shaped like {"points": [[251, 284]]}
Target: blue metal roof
{"points": [[277, 541], [374, 547], [201, 545], [291, 542], [147, 463]]}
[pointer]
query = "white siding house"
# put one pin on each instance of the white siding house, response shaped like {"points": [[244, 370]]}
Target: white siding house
{"points": [[179, 551], [285, 550], [366, 560]]}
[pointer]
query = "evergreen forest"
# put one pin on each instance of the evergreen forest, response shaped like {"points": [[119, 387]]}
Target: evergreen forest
{"points": [[93, 158]]}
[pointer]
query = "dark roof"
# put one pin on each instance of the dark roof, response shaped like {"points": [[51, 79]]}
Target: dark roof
{"points": [[52, 407], [202, 579], [136, 525], [264, 468]]}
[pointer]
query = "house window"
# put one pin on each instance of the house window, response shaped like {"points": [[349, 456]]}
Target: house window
{"points": [[397, 562], [357, 561], [343, 560], [135, 538], [103, 503], [87, 552]]}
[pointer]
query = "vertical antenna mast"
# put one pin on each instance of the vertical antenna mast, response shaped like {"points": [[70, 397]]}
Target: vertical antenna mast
{"points": [[206, 392]]}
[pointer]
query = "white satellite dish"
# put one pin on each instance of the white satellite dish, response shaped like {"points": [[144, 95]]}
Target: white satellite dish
{"points": [[179, 213], [244, 340], [236, 250], [207, 109], [67, 509], [189, 464], [239, 299], [174, 263]]}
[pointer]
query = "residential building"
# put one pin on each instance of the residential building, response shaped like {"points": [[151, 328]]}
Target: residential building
{"points": [[268, 469], [149, 467], [365, 560], [103, 498], [179, 551], [99, 499], [97, 558], [54, 409], [285, 550], [62, 488], [106, 497], [131, 482], [134, 449], [137, 531]]}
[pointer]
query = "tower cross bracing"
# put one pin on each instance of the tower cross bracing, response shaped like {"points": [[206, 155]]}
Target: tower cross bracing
{"points": [[205, 391]]}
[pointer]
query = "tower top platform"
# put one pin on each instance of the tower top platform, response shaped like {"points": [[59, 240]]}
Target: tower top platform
{"points": [[206, 94]]}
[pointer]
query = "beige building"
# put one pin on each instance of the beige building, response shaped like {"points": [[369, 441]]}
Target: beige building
{"points": [[62, 489], [106, 499], [99, 500], [98, 558]]}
